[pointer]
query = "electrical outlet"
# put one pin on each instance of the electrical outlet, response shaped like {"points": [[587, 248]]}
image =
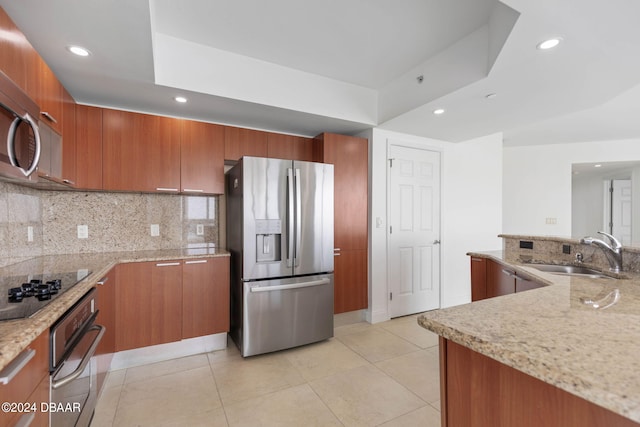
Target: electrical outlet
{"points": [[551, 221], [200, 230], [83, 232], [29, 233], [155, 230]]}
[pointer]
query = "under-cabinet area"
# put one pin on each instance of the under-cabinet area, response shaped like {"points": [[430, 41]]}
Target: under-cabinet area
{"points": [[490, 279]]}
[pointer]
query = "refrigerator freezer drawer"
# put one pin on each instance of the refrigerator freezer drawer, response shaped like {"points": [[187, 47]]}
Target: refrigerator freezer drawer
{"points": [[285, 313]]}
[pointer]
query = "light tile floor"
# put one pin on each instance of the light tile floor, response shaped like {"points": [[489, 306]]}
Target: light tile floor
{"points": [[367, 375]]}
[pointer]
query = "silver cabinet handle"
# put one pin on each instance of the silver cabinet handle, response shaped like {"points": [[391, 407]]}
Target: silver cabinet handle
{"points": [[68, 181], [26, 419], [291, 286], [508, 273], [167, 264], [336, 251], [16, 365], [166, 189], [476, 259], [102, 281], [200, 261], [11, 142], [48, 116], [191, 190], [85, 359]]}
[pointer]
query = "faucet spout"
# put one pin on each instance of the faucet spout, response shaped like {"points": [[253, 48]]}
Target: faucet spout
{"points": [[612, 250]]}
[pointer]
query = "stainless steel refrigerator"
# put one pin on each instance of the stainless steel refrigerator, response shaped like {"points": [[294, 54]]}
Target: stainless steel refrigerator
{"points": [[280, 236]]}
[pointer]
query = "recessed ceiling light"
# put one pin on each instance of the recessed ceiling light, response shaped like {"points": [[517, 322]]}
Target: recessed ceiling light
{"points": [[597, 166], [438, 111], [78, 50], [180, 99], [549, 43]]}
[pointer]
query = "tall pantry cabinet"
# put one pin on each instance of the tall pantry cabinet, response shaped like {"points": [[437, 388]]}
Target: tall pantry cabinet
{"points": [[349, 155]]}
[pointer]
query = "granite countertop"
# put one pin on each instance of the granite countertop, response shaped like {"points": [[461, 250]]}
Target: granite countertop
{"points": [[16, 335], [550, 334]]}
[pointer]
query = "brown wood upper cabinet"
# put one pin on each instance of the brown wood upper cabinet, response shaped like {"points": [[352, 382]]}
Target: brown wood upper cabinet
{"points": [[140, 152], [202, 158], [240, 142], [15, 53], [88, 147], [49, 97], [349, 155], [69, 149], [289, 147]]}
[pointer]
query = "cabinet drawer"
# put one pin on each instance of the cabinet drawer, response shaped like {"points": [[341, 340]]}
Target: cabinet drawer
{"points": [[23, 381]]}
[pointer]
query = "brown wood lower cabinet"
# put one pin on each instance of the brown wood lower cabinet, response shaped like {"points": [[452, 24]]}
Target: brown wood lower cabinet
{"points": [[30, 384], [106, 317], [481, 392], [161, 302], [491, 279], [205, 297], [350, 281], [149, 304], [500, 280], [478, 278]]}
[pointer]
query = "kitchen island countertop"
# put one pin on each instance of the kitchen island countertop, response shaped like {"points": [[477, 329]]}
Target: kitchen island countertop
{"points": [[550, 334], [16, 335]]}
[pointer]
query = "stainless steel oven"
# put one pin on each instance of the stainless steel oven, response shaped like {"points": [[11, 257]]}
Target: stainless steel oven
{"points": [[74, 339]]}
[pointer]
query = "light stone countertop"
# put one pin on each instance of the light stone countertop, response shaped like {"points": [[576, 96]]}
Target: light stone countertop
{"points": [[550, 334], [16, 335]]}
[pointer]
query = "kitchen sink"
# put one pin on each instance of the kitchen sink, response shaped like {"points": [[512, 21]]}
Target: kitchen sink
{"points": [[570, 270]]}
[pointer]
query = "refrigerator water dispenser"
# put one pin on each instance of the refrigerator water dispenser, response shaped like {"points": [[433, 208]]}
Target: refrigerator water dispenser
{"points": [[268, 238]]}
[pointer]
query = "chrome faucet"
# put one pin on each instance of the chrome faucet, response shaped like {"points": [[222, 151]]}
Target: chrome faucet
{"points": [[612, 251]]}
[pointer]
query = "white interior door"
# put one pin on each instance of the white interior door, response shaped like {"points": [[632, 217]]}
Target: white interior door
{"points": [[414, 230], [620, 210]]}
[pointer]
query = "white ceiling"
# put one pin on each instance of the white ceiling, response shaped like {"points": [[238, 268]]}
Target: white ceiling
{"points": [[344, 66]]}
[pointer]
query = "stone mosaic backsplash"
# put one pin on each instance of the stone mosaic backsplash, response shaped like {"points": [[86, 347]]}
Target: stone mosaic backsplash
{"points": [[115, 221]]}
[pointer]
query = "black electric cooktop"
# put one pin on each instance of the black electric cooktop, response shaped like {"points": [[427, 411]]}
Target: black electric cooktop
{"points": [[24, 296]]}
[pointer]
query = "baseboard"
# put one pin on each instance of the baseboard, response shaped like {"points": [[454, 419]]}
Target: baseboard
{"points": [[173, 350], [377, 316]]}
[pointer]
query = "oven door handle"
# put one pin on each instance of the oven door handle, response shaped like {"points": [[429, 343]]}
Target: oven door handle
{"points": [[85, 359]]}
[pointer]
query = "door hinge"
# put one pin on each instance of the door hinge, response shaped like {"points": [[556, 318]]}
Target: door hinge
{"points": [[391, 162], [390, 296], [391, 229]]}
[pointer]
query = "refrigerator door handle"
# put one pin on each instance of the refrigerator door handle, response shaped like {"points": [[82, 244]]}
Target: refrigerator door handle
{"points": [[290, 217], [298, 217], [291, 286]]}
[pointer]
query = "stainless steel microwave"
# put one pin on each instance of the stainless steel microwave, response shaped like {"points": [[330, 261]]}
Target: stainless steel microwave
{"points": [[20, 155]]}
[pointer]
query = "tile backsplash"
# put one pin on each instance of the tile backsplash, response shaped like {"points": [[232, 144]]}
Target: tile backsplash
{"points": [[116, 221]]}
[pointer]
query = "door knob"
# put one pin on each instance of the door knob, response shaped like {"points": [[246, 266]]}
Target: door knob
{"points": [[436, 242]]}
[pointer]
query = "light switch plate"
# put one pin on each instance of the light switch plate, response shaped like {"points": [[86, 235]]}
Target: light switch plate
{"points": [[83, 232], [30, 233], [200, 230], [155, 230]]}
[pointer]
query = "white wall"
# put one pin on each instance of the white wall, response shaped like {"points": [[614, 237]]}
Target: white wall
{"points": [[537, 182], [587, 197], [471, 211]]}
